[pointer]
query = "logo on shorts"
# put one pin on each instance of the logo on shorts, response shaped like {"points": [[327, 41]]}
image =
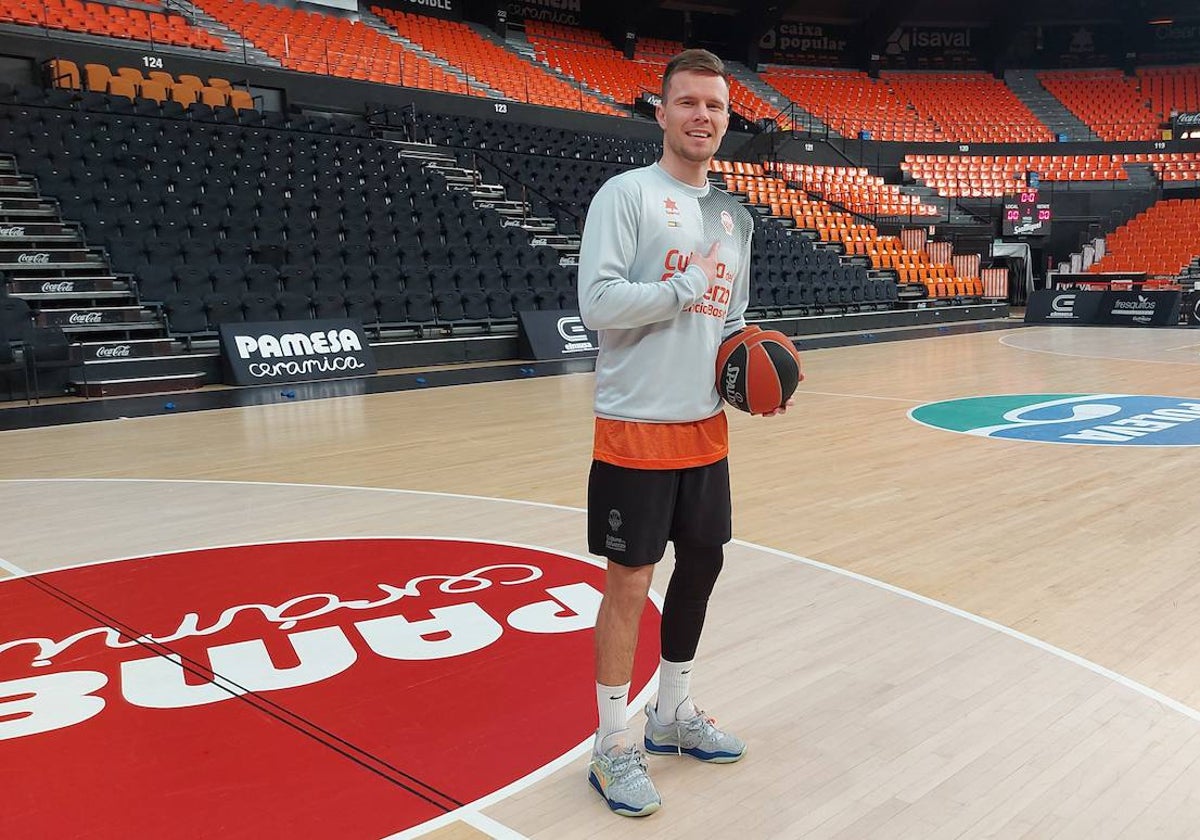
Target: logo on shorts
{"points": [[614, 519]]}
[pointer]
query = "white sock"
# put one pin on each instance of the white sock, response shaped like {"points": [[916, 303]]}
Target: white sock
{"points": [[613, 704], [674, 691]]}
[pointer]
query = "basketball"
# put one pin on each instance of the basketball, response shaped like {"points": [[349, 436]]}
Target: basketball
{"points": [[757, 370]]}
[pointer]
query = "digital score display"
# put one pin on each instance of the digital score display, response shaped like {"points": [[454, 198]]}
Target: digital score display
{"points": [[1026, 214]]}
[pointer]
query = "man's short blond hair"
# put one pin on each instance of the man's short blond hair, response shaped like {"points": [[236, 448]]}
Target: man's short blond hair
{"points": [[697, 61]]}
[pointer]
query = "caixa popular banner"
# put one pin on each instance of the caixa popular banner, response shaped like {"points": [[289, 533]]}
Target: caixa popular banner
{"points": [[294, 351]]}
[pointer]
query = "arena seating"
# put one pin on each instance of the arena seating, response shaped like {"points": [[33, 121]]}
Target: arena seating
{"points": [[1169, 166], [857, 237], [585, 55], [1106, 100], [156, 85], [495, 66], [1120, 107], [1169, 89], [312, 42], [850, 102], [911, 107], [1160, 241], [307, 216], [982, 176], [112, 21], [855, 189], [969, 107]]}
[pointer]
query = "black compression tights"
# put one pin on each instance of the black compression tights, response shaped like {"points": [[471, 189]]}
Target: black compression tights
{"points": [[696, 570]]}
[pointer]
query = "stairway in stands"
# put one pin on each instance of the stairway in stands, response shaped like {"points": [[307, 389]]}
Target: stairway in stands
{"points": [[803, 120], [516, 212], [70, 286], [370, 19], [238, 44], [1045, 106]]}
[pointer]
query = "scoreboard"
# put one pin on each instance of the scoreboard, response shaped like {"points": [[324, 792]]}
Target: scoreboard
{"points": [[1026, 214]]}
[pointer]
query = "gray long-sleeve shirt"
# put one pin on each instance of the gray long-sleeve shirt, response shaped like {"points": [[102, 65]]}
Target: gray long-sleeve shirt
{"points": [[659, 321]]}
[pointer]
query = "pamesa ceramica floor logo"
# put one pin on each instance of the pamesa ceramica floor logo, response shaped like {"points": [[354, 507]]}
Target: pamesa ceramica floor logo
{"points": [[1099, 419]]}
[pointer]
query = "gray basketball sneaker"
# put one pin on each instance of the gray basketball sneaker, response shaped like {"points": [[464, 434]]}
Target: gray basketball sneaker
{"points": [[697, 736], [618, 773]]}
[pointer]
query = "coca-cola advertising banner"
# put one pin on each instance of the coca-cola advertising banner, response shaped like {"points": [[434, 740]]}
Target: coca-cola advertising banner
{"points": [[933, 47], [820, 44], [294, 351]]}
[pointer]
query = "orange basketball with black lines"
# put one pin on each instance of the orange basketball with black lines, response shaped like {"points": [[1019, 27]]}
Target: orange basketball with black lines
{"points": [[757, 370]]}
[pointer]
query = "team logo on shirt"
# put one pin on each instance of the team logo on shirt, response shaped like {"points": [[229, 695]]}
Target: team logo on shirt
{"points": [[727, 222], [672, 211]]}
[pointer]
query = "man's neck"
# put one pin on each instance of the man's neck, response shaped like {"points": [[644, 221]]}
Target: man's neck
{"points": [[694, 174]]}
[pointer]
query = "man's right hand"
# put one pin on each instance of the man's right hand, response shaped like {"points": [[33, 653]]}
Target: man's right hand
{"points": [[707, 263]]}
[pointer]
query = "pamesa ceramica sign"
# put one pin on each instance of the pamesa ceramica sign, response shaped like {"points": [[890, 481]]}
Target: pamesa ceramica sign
{"points": [[1098, 419]]}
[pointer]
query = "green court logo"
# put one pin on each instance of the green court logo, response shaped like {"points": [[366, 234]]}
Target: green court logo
{"points": [[1097, 419]]}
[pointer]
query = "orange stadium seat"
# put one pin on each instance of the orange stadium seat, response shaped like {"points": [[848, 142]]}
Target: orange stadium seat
{"points": [[911, 265], [1160, 241], [313, 42], [491, 64], [64, 73], [110, 21], [983, 176], [589, 58], [1106, 100], [911, 107]]}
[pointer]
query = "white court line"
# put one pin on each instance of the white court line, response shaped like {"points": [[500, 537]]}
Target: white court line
{"points": [[490, 827], [15, 571], [580, 749], [1006, 343]]}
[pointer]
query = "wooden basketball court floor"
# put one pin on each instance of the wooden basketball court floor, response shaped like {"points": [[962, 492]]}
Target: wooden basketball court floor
{"points": [[920, 634]]}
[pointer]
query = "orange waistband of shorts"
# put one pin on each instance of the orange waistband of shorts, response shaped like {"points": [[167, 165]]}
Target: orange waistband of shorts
{"points": [[661, 446]]}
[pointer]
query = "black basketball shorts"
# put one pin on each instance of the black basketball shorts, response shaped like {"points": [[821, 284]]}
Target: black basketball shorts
{"points": [[633, 513]]}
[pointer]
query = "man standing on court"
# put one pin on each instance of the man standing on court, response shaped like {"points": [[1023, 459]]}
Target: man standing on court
{"points": [[663, 277]]}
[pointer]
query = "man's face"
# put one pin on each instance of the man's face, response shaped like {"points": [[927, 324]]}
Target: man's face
{"points": [[694, 115]]}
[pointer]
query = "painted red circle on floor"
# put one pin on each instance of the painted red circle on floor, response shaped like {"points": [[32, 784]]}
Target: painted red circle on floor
{"points": [[341, 688]]}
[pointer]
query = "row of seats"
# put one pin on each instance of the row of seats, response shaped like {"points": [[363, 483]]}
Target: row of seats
{"points": [[1119, 107], [977, 176], [855, 189], [972, 107], [156, 85], [588, 57], [490, 63], [1171, 89], [856, 237], [160, 280], [850, 102], [1161, 241], [314, 42], [190, 315], [109, 20], [507, 136], [1106, 100], [229, 196]]}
